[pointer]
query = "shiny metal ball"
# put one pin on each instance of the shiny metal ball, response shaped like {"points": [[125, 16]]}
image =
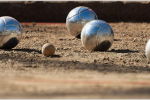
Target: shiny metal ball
{"points": [[77, 18], [10, 31], [97, 35], [147, 50]]}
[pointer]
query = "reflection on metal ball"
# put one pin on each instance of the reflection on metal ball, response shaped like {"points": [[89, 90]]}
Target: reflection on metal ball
{"points": [[10, 31], [97, 35], [77, 18]]}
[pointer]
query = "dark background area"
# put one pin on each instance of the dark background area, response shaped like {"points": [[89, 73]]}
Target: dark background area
{"points": [[58, 11]]}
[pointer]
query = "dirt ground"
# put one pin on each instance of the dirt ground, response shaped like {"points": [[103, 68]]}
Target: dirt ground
{"points": [[74, 72]]}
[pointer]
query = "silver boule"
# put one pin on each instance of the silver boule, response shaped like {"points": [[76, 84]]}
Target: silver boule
{"points": [[10, 31], [97, 35], [77, 18], [147, 50]]}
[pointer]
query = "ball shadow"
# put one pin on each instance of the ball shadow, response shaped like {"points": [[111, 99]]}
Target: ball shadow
{"points": [[124, 51], [27, 50], [55, 56], [117, 39]]}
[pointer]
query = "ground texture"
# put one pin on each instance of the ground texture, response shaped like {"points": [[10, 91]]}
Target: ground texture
{"points": [[74, 72]]}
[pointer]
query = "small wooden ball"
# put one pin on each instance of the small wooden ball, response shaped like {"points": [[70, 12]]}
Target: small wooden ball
{"points": [[48, 49]]}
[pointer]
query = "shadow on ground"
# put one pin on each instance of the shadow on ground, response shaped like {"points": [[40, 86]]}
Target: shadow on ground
{"points": [[27, 50], [50, 62], [124, 51]]}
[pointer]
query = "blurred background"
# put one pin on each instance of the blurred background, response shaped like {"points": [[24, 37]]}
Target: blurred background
{"points": [[50, 11]]}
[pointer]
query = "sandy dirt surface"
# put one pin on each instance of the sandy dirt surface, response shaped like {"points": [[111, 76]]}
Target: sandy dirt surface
{"points": [[74, 72]]}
